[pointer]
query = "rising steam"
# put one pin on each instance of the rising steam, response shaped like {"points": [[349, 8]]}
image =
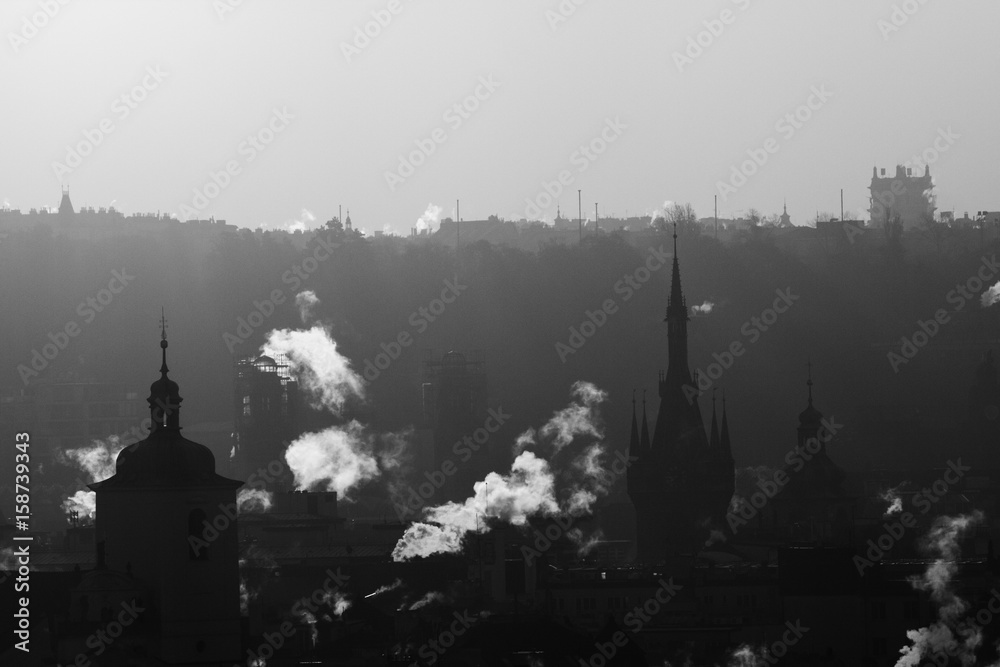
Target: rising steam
{"points": [[98, 462], [529, 490], [952, 632], [306, 301], [320, 369], [430, 219], [990, 296]]}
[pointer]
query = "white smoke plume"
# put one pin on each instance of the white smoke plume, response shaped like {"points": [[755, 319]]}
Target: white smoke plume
{"points": [[431, 596], [430, 219], [745, 656], [338, 602], [385, 589], [253, 500], [306, 301], [584, 543], [339, 458], [952, 634], [306, 618], [704, 309], [321, 370], [299, 223], [661, 211], [529, 490], [892, 497], [990, 296], [98, 461]]}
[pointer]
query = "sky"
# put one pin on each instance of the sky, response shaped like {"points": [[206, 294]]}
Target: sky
{"points": [[273, 114]]}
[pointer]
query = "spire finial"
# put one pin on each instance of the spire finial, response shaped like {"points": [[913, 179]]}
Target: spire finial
{"points": [[633, 400], [163, 341], [675, 239]]}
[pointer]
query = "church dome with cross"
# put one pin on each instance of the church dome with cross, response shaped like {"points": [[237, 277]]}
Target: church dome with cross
{"points": [[165, 456]]}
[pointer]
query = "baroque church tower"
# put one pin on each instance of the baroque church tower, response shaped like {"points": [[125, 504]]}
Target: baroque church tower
{"points": [[152, 518], [684, 479]]}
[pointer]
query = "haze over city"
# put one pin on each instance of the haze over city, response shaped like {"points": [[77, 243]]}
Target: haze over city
{"points": [[558, 77], [542, 333]]}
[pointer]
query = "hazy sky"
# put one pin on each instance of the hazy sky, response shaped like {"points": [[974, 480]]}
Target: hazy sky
{"points": [[679, 127]]}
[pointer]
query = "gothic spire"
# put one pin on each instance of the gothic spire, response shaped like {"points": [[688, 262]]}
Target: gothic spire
{"points": [[678, 373]]}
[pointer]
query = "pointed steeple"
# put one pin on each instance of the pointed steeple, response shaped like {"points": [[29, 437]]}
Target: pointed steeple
{"points": [[713, 440], [644, 438], [164, 394], [678, 373]]}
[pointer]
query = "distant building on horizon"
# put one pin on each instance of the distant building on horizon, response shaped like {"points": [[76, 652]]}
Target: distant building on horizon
{"points": [[904, 195]]}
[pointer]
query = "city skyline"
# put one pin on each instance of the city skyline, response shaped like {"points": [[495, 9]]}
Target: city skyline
{"points": [[196, 95]]}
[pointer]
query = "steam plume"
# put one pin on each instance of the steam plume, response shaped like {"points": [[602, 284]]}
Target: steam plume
{"points": [[952, 632], [321, 370], [990, 296], [528, 490], [306, 301], [98, 461]]}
